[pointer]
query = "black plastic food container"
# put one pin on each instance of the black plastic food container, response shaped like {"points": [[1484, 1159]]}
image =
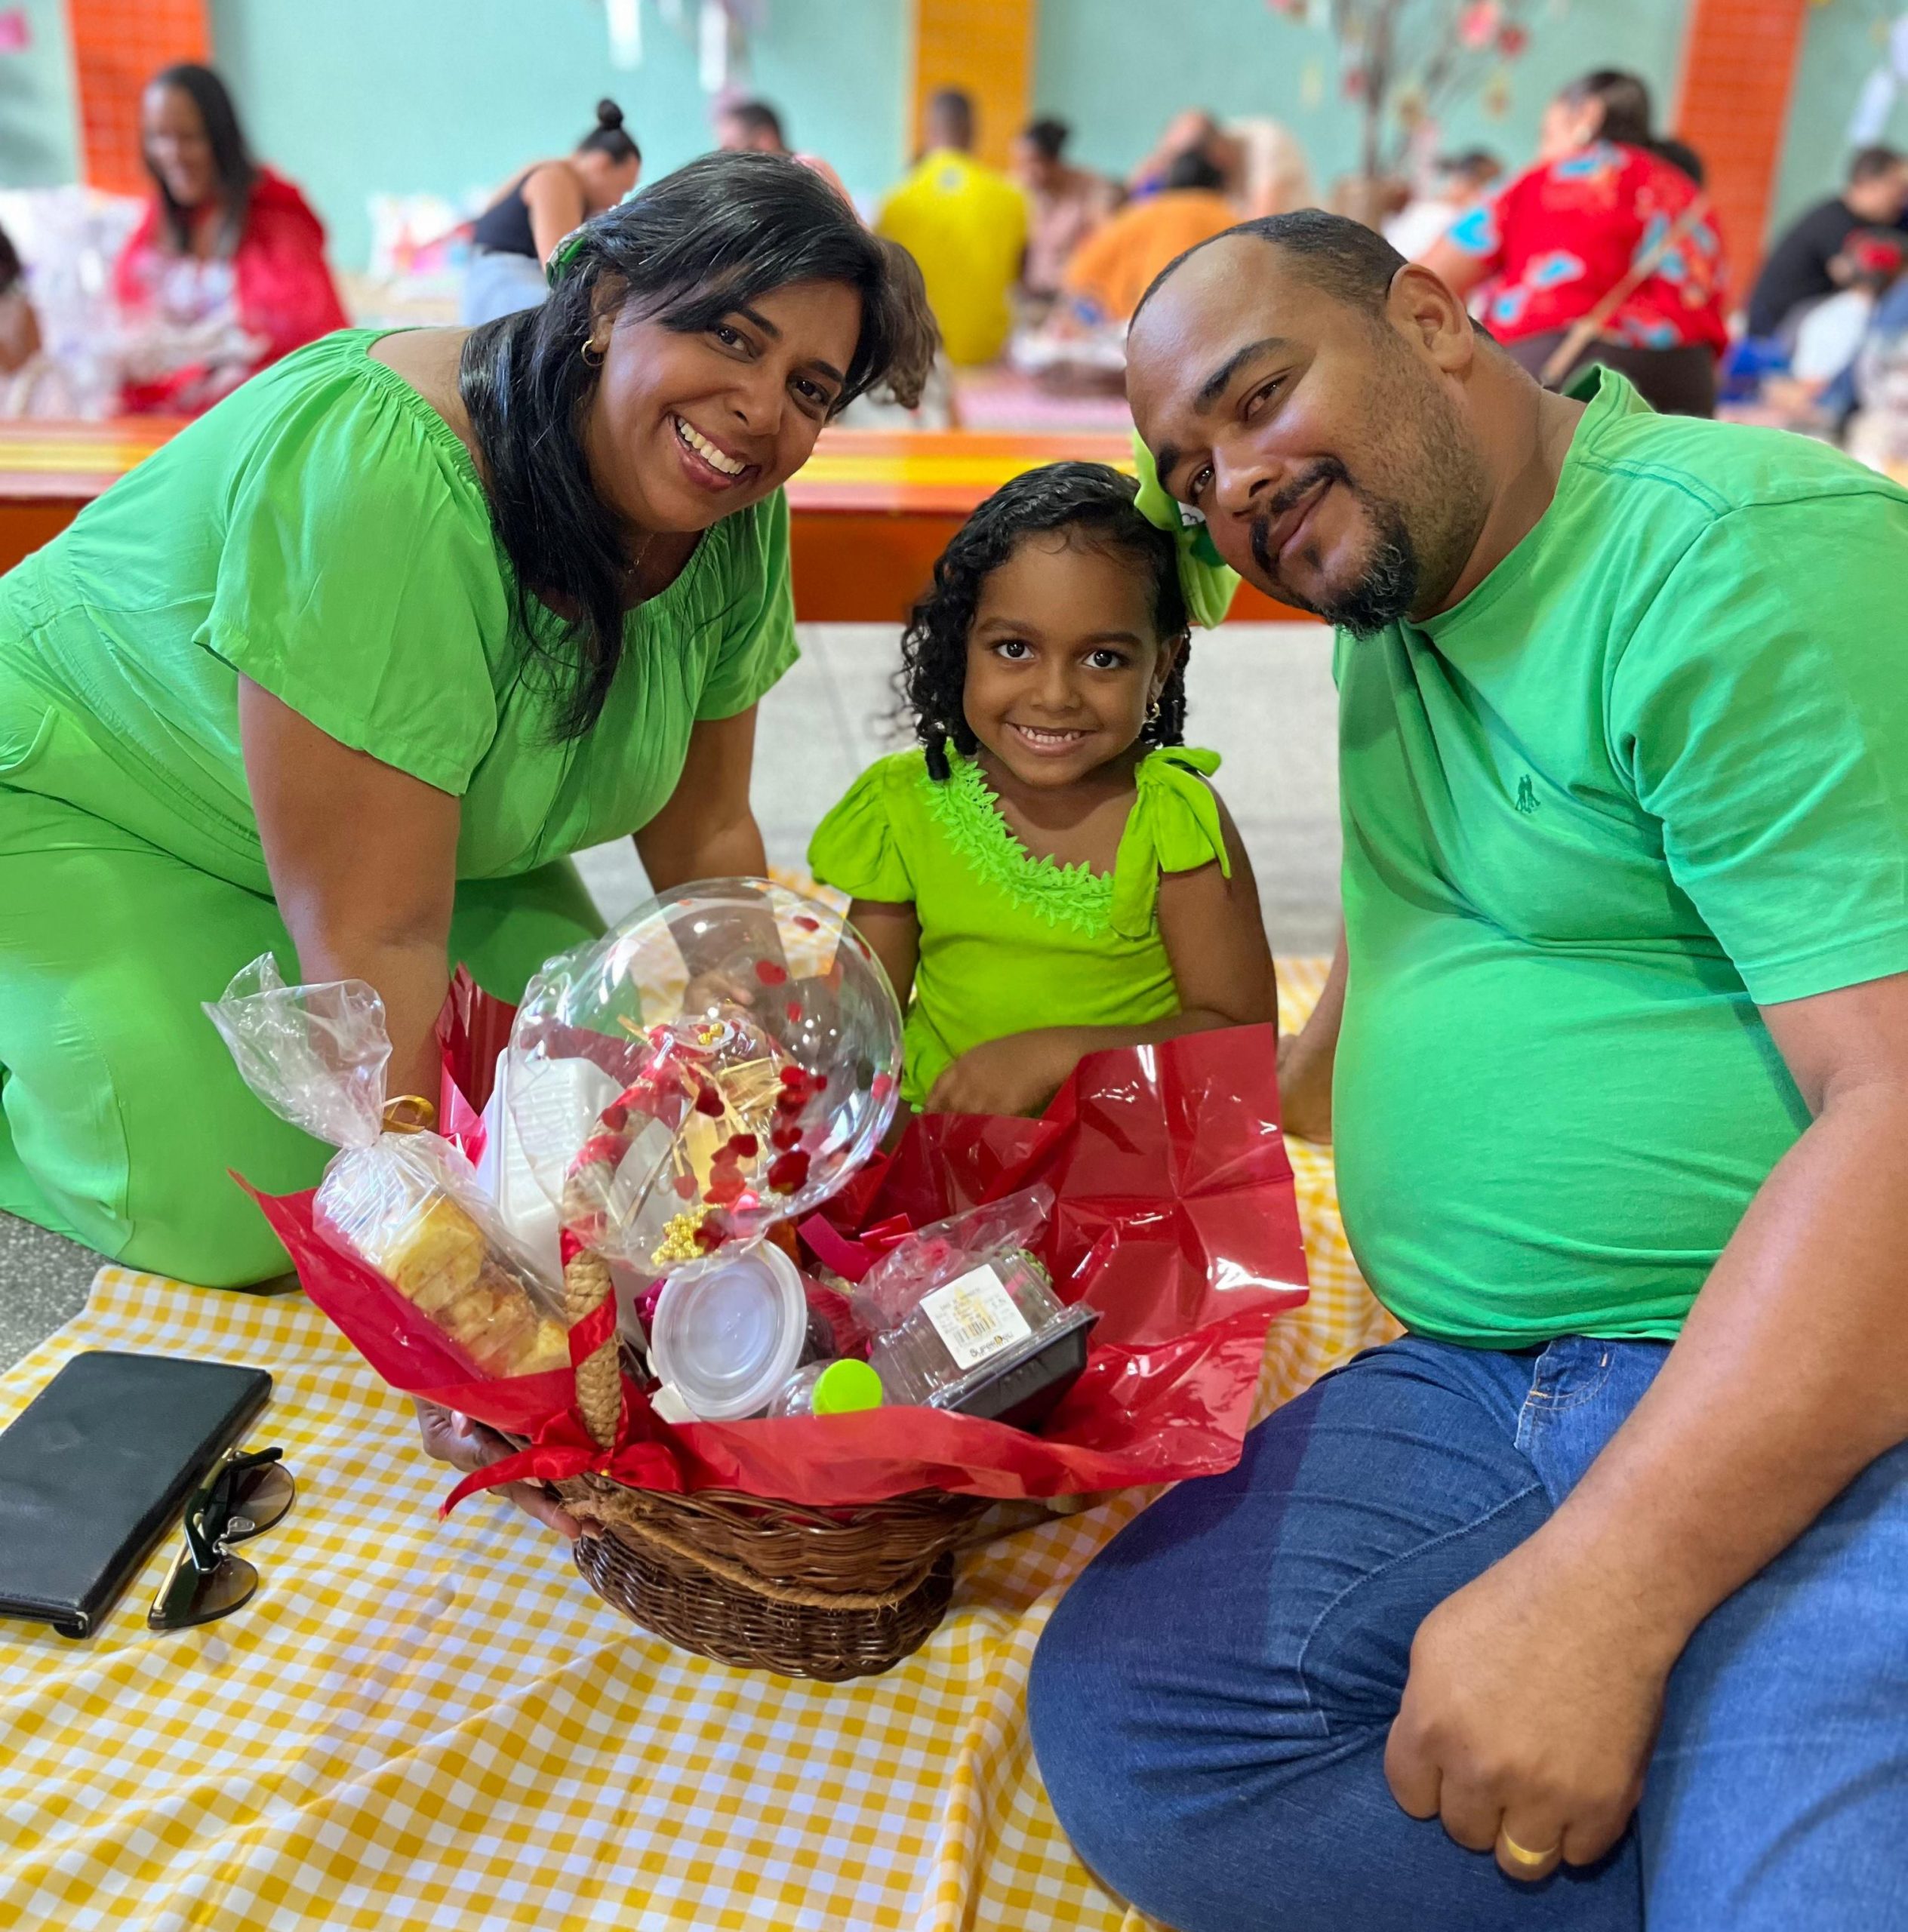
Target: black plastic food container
{"points": [[1022, 1387]]}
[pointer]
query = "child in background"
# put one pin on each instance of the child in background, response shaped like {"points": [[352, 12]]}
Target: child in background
{"points": [[1049, 873]]}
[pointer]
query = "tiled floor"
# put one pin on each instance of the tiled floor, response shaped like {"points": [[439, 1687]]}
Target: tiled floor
{"points": [[1260, 695]]}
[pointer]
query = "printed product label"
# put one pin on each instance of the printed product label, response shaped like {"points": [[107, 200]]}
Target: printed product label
{"points": [[975, 1316]]}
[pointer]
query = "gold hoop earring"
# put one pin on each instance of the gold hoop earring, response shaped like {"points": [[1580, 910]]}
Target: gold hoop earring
{"points": [[591, 353], [1152, 712]]}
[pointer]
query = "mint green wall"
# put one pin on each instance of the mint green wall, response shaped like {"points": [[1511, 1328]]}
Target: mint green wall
{"points": [[39, 127], [1118, 69], [352, 96], [1841, 50]]}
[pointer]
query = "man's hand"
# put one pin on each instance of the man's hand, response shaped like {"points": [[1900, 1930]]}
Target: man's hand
{"points": [[1018, 1074], [469, 1445], [1529, 1716]]}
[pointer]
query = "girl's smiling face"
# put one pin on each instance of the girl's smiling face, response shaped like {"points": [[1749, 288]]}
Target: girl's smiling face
{"points": [[1064, 659]]}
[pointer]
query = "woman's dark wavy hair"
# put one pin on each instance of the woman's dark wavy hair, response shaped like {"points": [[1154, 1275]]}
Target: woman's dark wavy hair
{"points": [[1093, 505], [232, 159], [719, 233]]}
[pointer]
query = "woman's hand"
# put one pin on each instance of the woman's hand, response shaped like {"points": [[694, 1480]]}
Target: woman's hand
{"points": [[467, 1445], [1018, 1074]]}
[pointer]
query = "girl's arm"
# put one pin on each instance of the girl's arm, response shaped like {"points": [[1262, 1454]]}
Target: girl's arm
{"points": [[893, 932], [1222, 964]]}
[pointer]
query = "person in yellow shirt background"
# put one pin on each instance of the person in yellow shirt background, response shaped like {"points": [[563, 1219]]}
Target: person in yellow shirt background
{"points": [[966, 225]]}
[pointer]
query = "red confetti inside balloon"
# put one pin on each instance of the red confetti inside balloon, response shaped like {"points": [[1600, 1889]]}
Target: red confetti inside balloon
{"points": [[708, 1101], [784, 1135], [807, 924], [769, 974], [742, 1146], [787, 1172], [793, 1010]]}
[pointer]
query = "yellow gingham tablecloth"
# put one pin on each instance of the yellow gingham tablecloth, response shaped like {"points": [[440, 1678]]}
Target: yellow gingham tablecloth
{"points": [[423, 1723]]}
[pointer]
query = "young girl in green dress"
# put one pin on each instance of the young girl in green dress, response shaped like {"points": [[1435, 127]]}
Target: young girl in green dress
{"points": [[1048, 873]]}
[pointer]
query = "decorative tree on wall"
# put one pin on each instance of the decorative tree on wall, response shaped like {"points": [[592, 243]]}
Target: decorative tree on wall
{"points": [[1403, 61]]}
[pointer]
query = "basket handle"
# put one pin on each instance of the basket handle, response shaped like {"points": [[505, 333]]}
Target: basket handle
{"points": [[586, 1285]]}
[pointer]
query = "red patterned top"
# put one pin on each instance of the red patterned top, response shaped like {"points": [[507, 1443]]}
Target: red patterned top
{"points": [[1564, 234]]}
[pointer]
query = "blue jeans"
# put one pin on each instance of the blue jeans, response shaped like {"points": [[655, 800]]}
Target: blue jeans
{"points": [[1210, 1703]]}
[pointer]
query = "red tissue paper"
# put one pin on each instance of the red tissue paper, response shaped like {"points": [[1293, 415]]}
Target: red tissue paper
{"points": [[1174, 1217]]}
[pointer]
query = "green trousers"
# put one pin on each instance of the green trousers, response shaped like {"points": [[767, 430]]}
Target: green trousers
{"points": [[121, 1115]]}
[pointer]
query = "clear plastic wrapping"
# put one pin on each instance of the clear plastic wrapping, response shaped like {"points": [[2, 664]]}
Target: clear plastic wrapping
{"points": [[409, 1203], [965, 1316], [724, 1060]]}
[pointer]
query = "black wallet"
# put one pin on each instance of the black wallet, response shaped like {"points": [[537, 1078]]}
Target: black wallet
{"points": [[96, 1470]]}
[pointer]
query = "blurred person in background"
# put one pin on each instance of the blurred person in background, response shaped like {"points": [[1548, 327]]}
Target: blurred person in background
{"points": [[516, 235], [1457, 181], [20, 327], [749, 126], [1830, 334], [1262, 164], [752, 127], [225, 272], [1115, 265], [1802, 266], [1604, 252], [1065, 204], [966, 226]]}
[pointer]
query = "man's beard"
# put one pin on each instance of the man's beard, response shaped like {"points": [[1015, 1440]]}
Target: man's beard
{"points": [[1432, 462], [1387, 586]]}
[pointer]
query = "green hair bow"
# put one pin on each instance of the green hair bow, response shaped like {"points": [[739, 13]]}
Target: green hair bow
{"points": [[1206, 580]]}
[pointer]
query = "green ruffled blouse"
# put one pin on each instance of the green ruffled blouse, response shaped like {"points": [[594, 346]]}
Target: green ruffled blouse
{"points": [[1009, 941]]}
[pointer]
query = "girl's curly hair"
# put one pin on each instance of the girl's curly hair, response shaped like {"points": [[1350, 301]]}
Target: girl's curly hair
{"points": [[1093, 505]]}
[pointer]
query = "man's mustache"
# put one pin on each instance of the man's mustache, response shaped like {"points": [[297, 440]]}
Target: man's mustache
{"points": [[1327, 470]]}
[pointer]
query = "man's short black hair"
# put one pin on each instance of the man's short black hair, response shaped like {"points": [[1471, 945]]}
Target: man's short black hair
{"points": [[950, 112], [1046, 136], [1352, 263], [759, 118], [1195, 168], [1870, 164]]}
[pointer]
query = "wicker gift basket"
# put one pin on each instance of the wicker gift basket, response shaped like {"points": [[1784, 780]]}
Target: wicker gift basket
{"points": [[769, 1585], [823, 1549]]}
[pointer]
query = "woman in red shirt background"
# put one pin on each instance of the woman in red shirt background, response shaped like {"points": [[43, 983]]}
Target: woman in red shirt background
{"points": [[1603, 201], [226, 271]]}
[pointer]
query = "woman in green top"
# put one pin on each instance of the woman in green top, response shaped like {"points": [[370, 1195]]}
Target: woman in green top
{"points": [[349, 667], [1050, 872]]}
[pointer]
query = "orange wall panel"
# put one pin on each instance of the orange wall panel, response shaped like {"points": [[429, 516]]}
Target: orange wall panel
{"points": [[986, 48], [1739, 68], [118, 46]]}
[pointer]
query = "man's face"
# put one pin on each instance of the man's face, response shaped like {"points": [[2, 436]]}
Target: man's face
{"points": [[1335, 469]]}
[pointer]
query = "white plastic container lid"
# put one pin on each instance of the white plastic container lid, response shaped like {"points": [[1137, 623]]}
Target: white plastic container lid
{"points": [[728, 1332]]}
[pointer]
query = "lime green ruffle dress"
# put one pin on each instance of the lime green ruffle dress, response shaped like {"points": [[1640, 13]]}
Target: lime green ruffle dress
{"points": [[1010, 941]]}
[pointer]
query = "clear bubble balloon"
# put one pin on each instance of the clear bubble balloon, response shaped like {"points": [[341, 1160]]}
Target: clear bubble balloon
{"points": [[724, 1060]]}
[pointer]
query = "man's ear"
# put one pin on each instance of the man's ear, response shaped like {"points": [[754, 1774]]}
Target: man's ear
{"points": [[1432, 318]]}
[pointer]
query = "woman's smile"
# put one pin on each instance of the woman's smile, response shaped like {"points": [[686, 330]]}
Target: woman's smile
{"points": [[707, 461]]}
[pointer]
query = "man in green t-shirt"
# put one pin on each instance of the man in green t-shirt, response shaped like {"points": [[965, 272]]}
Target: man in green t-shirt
{"points": [[1620, 1096]]}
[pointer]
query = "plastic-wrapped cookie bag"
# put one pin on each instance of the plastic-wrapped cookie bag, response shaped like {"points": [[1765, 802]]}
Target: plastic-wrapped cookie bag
{"points": [[395, 1195]]}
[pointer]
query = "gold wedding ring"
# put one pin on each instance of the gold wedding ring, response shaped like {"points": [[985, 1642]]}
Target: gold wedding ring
{"points": [[1528, 1861]]}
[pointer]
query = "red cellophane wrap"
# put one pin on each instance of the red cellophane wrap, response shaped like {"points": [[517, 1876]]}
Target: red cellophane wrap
{"points": [[1174, 1217]]}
